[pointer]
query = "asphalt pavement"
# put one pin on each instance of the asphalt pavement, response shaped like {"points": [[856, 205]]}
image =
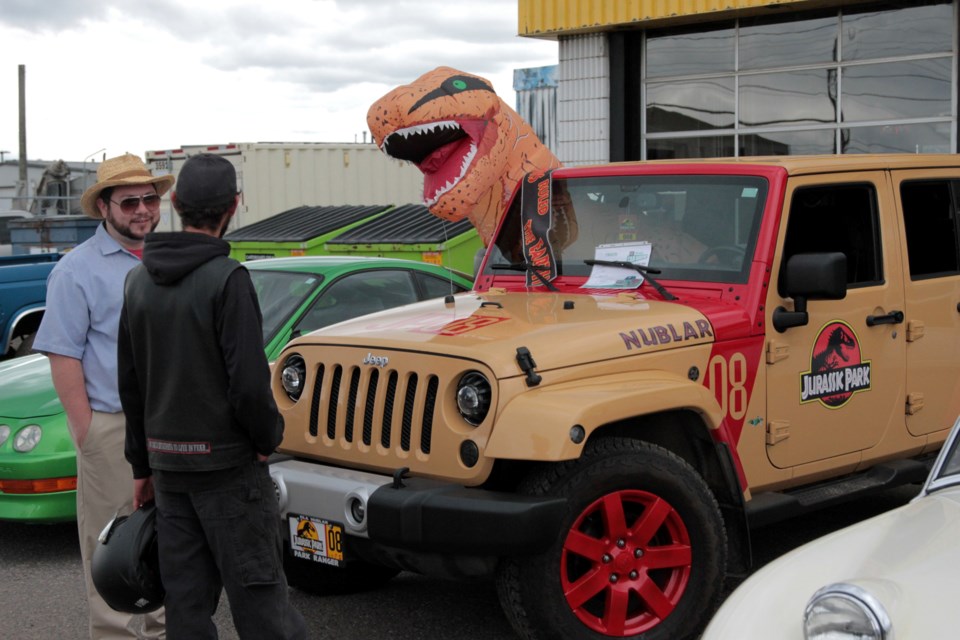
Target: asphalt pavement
{"points": [[41, 587]]}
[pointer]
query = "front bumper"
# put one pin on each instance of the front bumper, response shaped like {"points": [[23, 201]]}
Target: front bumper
{"points": [[418, 514], [46, 506]]}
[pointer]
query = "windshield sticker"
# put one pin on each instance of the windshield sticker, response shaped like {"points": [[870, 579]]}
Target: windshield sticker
{"points": [[607, 277], [837, 369], [665, 334], [535, 218]]}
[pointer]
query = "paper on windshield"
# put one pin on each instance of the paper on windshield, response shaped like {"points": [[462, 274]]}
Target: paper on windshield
{"points": [[604, 277]]}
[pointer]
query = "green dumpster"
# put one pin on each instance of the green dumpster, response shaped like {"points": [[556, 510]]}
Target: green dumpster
{"points": [[302, 231], [412, 232]]}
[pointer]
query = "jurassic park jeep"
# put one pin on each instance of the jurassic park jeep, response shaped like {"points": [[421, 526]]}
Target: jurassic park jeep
{"points": [[656, 358]]}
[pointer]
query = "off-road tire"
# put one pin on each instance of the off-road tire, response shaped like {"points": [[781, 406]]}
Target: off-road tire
{"points": [[678, 561]]}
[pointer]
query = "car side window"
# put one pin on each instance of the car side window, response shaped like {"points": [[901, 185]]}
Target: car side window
{"points": [[434, 287], [930, 224], [838, 218], [358, 294]]}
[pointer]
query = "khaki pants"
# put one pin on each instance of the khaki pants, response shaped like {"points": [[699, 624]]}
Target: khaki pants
{"points": [[105, 487]]}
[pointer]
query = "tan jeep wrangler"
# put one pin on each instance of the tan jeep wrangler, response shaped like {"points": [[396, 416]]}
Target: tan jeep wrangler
{"points": [[657, 357]]}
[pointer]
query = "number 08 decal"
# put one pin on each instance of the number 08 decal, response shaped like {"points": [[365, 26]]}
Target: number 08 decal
{"points": [[727, 380]]}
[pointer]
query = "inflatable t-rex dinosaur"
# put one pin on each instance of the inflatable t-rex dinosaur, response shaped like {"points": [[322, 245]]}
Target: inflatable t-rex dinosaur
{"points": [[471, 146]]}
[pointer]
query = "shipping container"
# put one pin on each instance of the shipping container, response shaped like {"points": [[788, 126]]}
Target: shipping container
{"points": [[281, 176], [273, 177]]}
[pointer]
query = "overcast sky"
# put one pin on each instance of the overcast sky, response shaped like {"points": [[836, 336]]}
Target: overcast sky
{"points": [[111, 76]]}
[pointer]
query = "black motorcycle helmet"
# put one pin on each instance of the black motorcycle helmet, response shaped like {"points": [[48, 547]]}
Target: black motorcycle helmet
{"points": [[126, 568]]}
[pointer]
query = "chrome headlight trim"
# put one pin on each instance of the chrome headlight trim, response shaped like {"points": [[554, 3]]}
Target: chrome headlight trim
{"points": [[293, 376], [845, 610], [474, 397]]}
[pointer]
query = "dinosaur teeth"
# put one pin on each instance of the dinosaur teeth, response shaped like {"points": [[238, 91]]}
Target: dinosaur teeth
{"points": [[419, 129]]}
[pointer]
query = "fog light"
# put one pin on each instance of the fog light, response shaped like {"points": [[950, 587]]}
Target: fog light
{"points": [[357, 511], [469, 453]]}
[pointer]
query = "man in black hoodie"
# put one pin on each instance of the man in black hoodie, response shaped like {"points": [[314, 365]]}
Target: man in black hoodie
{"points": [[201, 419]]}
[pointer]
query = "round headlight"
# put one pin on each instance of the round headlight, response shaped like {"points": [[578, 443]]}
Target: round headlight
{"points": [[293, 376], [473, 397], [4, 433], [845, 611], [27, 438]]}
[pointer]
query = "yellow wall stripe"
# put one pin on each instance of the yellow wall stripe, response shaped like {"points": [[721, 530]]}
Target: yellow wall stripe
{"points": [[550, 18]]}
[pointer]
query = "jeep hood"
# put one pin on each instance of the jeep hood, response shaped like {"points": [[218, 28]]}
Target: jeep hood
{"points": [[26, 388], [559, 330]]}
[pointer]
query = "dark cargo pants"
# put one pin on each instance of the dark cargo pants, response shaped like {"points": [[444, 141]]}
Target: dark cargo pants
{"points": [[225, 538]]}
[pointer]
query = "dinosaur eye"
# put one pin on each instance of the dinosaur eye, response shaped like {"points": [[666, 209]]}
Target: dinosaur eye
{"points": [[452, 86]]}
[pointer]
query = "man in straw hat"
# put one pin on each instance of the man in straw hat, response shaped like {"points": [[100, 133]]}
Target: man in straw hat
{"points": [[79, 335]]}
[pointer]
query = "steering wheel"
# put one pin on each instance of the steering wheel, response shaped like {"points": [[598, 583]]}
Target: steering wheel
{"points": [[724, 253]]}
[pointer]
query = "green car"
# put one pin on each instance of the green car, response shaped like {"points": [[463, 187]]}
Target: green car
{"points": [[38, 468]]}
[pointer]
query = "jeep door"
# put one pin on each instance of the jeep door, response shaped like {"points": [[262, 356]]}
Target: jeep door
{"points": [[835, 384], [929, 206]]}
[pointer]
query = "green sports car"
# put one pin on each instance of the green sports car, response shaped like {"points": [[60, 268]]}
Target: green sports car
{"points": [[38, 470]]}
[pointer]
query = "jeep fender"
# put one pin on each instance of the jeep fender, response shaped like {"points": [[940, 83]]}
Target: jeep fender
{"points": [[536, 424]]}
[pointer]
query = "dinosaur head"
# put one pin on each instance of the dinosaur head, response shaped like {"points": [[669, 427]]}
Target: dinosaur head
{"points": [[470, 145]]}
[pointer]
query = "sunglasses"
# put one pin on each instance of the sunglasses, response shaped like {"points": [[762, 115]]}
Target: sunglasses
{"points": [[129, 205]]}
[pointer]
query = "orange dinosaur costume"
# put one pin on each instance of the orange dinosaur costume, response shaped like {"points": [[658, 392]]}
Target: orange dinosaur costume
{"points": [[471, 146]]}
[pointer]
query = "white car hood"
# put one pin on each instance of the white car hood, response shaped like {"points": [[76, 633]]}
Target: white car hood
{"points": [[907, 557]]}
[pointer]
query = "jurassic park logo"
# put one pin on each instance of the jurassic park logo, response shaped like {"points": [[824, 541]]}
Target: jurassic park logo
{"points": [[837, 368]]}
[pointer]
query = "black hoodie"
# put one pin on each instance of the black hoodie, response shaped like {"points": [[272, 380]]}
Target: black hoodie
{"points": [[194, 381]]}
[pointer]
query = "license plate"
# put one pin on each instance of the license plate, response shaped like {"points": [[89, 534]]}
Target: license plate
{"points": [[316, 539]]}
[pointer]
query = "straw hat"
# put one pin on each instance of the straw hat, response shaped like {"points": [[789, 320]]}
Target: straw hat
{"points": [[121, 171]]}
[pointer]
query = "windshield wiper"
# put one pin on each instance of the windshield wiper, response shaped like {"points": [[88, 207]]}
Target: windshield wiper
{"points": [[642, 270], [529, 268]]}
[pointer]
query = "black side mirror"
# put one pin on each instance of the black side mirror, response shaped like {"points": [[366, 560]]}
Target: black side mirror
{"points": [[810, 276]]}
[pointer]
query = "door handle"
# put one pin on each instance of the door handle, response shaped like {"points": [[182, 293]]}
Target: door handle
{"points": [[894, 317]]}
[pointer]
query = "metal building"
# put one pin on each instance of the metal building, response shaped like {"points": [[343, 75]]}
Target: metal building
{"points": [[649, 79]]}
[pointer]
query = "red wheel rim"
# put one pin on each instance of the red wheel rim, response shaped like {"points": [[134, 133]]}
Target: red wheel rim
{"points": [[625, 563]]}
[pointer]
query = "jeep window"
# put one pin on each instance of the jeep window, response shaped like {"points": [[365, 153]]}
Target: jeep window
{"points": [[701, 228], [930, 224], [837, 217]]}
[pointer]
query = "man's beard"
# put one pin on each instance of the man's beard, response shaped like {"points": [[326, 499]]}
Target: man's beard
{"points": [[123, 227]]}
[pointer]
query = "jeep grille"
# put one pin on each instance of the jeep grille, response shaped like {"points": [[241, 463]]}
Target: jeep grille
{"points": [[408, 400]]}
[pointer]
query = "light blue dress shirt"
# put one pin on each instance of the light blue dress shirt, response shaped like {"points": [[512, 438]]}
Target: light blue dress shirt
{"points": [[84, 299]]}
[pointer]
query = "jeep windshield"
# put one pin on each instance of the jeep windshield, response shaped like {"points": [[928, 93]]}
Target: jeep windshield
{"points": [[700, 228]]}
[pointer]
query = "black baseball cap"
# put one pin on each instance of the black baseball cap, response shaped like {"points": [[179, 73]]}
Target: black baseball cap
{"points": [[206, 181]]}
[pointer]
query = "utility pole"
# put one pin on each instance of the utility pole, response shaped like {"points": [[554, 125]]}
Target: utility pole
{"points": [[22, 183]]}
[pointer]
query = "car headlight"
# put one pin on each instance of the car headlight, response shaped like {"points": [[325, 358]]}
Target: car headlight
{"points": [[4, 433], [473, 397], [293, 376], [844, 611], [27, 438]]}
